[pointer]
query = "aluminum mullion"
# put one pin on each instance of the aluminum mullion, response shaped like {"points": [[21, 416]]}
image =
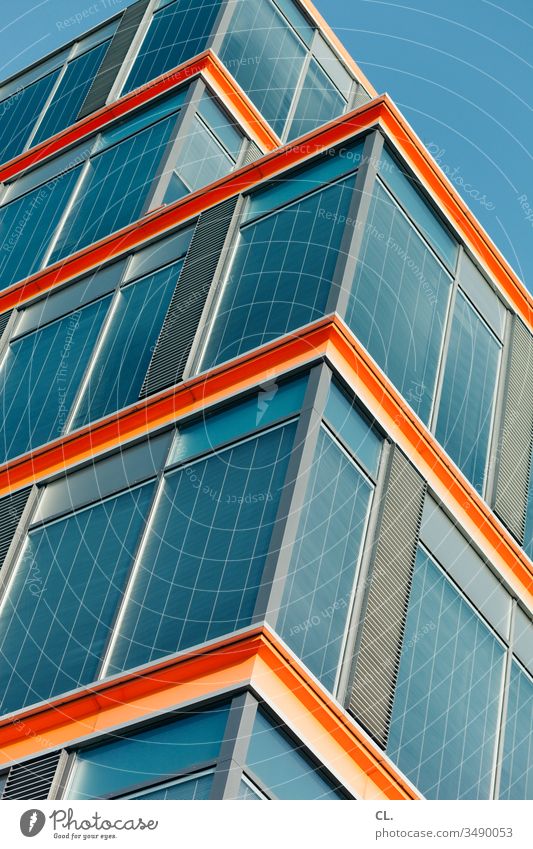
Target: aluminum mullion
{"points": [[133, 51], [71, 55], [500, 736], [234, 749]]}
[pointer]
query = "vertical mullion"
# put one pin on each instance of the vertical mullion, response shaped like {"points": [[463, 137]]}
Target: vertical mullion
{"points": [[124, 71], [354, 228], [220, 28], [441, 367], [71, 55], [293, 497], [234, 749], [504, 702], [298, 90]]}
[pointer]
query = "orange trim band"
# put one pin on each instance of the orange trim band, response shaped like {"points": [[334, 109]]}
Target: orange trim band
{"points": [[257, 659], [206, 64], [329, 338]]}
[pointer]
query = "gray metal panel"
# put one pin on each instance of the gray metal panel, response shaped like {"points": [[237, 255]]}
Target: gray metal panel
{"points": [[514, 442], [378, 648], [32, 779], [11, 509], [114, 58], [179, 328], [4, 321]]}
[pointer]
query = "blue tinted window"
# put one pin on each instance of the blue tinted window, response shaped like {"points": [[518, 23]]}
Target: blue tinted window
{"points": [[445, 714], [71, 93], [177, 33], [265, 56], [281, 273], [186, 788], [467, 401], [114, 189], [516, 780], [353, 427], [399, 301], [217, 120], [324, 561], [202, 562], [27, 226], [19, 113], [201, 160], [119, 370], [41, 375], [421, 213], [283, 767], [318, 103], [160, 750], [274, 401], [60, 608]]}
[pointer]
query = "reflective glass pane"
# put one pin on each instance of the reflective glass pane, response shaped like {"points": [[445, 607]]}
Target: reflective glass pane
{"points": [[186, 788], [120, 367], [201, 161], [516, 780], [318, 591], [27, 226], [202, 561], [445, 713], [398, 302], [354, 428], [40, 376], [114, 189], [217, 120], [318, 103], [159, 750], [284, 767], [281, 273], [19, 113], [71, 93], [274, 401], [466, 406], [437, 234], [265, 56], [58, 614], [177, 32]]}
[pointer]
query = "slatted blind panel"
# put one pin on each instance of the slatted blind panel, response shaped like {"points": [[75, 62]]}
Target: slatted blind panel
{"points": [[385, 606], [11, 509], [361, 96], [252, 153], [185, 310], [514, 444], [4, 321], [32, 779], [114, 58]]}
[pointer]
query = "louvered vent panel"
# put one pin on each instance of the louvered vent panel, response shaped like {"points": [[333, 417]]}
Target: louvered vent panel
{"points": [[385, 607], [514, 445], [185, 310], [252, 153], [361, 96], [32, 779], [11, 509], [4, 320], [113, 59]]}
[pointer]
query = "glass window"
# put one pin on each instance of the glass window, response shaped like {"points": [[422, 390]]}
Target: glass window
{"points": [[319, 101], [274, 401], [201, 160], [281, 273], [354, 429], [516, 780], [436, 233], [265, 56], [445, 713], [202, 560], [119, 368], [467, 401], [284, 767], [185, 788], [40, 375], [249, 792], [71, 93], [399, 301], [157, 751], [318, 592], [27, 226], [114, 188], [59, 609], [19, 112], [177, 32], [225, 130]]}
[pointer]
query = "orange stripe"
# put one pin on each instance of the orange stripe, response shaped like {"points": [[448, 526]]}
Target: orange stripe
{"points": [[229, 663], [328, 337], [206, 64]]}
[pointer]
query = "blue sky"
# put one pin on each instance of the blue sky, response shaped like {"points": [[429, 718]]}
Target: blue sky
{"points": [[461, 72]]}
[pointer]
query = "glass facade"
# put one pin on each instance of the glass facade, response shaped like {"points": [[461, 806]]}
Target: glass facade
{"points": [[516, 781]]}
